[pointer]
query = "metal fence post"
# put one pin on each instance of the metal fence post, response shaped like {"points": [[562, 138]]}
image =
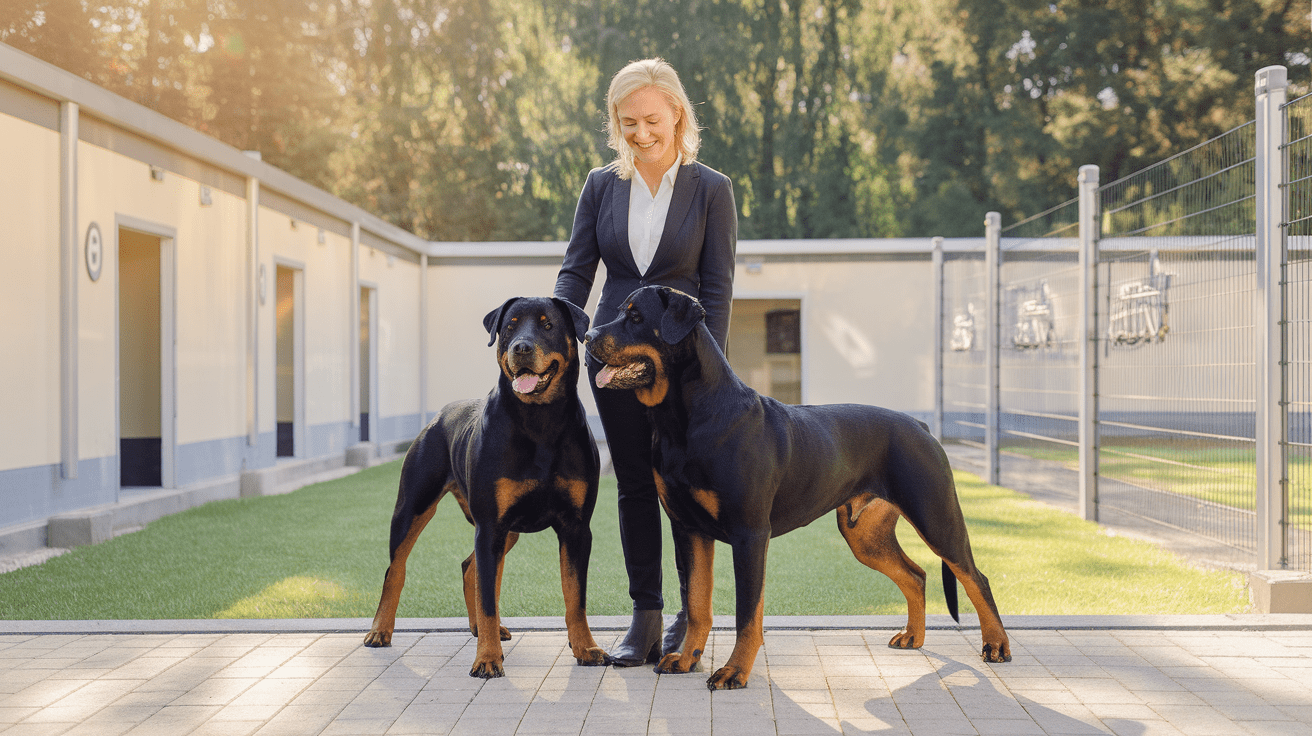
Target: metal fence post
{"points": [[1270, 89], [936, 278], [992, 370], [1089, 229]]}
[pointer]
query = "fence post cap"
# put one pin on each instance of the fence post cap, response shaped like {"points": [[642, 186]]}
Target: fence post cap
{"points": [[1089, 174], [1270, 78], [993, 219]]}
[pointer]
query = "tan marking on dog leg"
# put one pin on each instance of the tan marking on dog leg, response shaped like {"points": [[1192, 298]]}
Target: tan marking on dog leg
{"points": [[581, 642], [470, 585], [736, 671], [708, 500], [873, 540], [574, 489], [380, 633], [508, 492], [997, 646], [701, 584], [489, 656], [662, 493]]}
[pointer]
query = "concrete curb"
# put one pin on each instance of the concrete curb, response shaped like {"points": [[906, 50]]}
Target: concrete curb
{"points": [[1211, 622]]}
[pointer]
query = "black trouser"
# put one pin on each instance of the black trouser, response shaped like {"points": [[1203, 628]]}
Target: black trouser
{"points": [[628, 436]]}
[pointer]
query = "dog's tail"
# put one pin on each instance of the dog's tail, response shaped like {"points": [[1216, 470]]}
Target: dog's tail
{"points": [[950, 592]]}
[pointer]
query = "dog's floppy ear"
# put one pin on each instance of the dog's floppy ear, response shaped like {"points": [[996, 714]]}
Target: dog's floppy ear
{"points": [[578, 316], [682, 313], [492, 322]]}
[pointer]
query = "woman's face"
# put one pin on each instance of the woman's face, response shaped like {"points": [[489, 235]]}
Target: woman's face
{"points": [[647, 121]]}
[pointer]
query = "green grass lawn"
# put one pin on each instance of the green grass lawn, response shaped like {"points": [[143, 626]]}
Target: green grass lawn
{"points": [[322, 551], [1224, 473]]}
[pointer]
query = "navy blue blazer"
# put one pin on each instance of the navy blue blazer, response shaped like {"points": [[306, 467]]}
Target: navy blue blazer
{"points": [[695, 254]]}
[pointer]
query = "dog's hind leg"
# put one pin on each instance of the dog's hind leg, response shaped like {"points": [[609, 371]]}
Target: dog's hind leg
{"points": [[944, 532], [869, 526], [469, 579], [412, 514]]}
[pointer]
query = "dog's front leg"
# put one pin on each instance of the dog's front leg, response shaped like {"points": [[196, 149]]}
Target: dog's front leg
{"points": [[749, 588], [575, 551], [489, 555], [701, 583]]}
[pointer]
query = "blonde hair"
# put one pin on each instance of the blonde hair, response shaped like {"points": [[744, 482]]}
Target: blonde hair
{"points": [[639, 75]]}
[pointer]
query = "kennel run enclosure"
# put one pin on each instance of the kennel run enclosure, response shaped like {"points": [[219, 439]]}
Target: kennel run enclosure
{"points": [[1154, 336]]}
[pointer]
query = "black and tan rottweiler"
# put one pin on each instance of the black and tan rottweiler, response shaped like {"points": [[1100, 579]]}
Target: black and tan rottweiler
{"points": [[741, 468], [520, 460]]}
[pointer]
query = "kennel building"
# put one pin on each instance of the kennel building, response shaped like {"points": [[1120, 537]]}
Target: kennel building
{"points": [[186, 323]]}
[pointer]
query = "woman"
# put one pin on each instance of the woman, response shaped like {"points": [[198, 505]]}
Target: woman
{"points": [[653, 216]]}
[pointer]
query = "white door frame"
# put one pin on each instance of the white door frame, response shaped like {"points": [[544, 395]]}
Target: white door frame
{"points": [[168, 342]]}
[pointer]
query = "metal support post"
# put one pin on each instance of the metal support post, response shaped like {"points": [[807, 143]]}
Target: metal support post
{"points": [[1272, 478], [993, 356], [1090, 230], [936, 287]]}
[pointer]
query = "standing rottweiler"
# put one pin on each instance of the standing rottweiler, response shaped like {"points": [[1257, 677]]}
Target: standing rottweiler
{"points": [[741, 468], [520, 460]]}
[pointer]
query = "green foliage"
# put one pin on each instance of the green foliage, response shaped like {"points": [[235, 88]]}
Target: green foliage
{"points": [[322, 552], [479, 119]]}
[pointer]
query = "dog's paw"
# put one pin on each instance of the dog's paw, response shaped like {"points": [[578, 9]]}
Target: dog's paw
{"points": [[671, 664], [594, 657], [904, 640], [727, 678], [996, 653], [487, 670], [378, 639]]}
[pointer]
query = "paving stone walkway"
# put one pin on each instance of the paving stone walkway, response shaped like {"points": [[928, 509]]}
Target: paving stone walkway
{"points": [[1130, 676]]}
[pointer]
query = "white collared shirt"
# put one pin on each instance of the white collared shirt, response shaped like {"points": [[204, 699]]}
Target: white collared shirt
{"points": [[647, 214]]}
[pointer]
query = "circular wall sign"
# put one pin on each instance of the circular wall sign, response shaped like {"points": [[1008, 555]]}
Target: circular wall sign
{"points": [[95, 251]]}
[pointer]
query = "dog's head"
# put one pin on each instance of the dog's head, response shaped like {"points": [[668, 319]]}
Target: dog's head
{"points": [[535, 346], [639, 345]]}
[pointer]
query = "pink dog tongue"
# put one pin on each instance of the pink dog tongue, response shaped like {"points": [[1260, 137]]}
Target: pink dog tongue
{"points": [[604, 375], [526, 383]]}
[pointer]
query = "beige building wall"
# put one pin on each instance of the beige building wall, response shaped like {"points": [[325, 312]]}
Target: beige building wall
{"points": [[210, 257], [867, 325], [29, 333]]}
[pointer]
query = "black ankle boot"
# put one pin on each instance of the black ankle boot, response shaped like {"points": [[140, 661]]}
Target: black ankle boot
{"points": [[641, 644], [673, 641]]}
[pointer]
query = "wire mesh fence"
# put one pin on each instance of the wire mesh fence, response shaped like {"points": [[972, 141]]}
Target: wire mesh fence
{"points": [[1298, 329], [1154, 335], [1176, 374], [965, 312], [1038, 390]]}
